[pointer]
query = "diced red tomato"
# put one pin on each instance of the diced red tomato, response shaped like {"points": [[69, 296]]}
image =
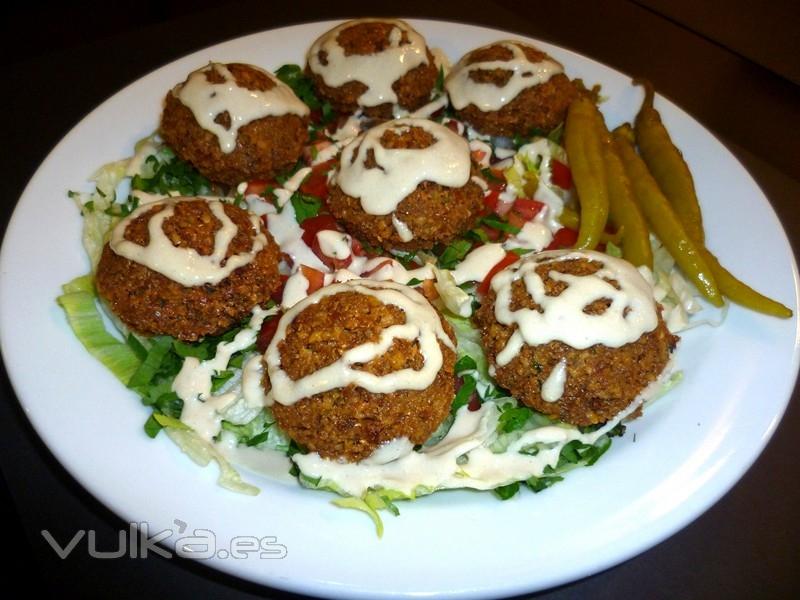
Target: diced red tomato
{"points": [[376, 268], [267, 332], [277, 295], [316, 279], [527, 208], [314, 225], [563, 238], [311, 227], [491, 233], [509, 259], [478, 155], [561, 175], [330, 261], [492, 199], [358, 249], [474, 403], [452, 124], [258, 187], [515, 219], [316, 182]]}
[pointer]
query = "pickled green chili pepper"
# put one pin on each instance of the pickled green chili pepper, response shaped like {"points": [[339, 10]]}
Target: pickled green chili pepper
{"points": [[623, 212], [583, 146], [667, 165], [741, 293], [669, 169], [571, 219], [662, 218]]}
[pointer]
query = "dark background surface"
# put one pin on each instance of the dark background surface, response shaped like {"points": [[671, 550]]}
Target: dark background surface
{"points": [[732, 65]]}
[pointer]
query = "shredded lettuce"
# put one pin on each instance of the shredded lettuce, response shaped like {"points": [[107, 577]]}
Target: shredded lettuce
{"points": [[678, 297], [468, 339], [261, 431], [455, 300], [469, 343], [202, 453], [79, 302], [370, 502], [362, 505], [164, 173], [94, 206], [171, 422]]}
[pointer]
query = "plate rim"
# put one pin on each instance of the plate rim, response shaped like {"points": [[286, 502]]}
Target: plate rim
{"points": [[645, 544]]}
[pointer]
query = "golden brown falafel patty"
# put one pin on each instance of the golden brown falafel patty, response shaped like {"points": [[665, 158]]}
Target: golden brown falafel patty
{"points": [[264, 147], [413, 89], [150, 303], [540, 107], [600, 381], [435, 214], [352, 422]]}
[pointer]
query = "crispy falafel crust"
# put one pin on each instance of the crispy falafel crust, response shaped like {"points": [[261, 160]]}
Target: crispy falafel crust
{"points": [[540, 107], [351, 422], [264, 147], [413, 89], [435, 214], [150, 303], [600, 382]]}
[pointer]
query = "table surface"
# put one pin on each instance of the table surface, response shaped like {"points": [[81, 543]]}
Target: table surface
{"points": [[744, 546]]}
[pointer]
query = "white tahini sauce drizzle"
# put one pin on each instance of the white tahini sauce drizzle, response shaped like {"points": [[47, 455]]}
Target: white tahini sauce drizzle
{"points": [[425, 111], [202, 410], [477, 264], [488, 97], [399, 171], [534, 235], [334, 244], [403, 230], [463, 458], [422, 324], [632, 311], [207, 100], [541, 152], [377, 71], [185, 265], [288, 234], [284, 194], [553, 386], [480, 182]]}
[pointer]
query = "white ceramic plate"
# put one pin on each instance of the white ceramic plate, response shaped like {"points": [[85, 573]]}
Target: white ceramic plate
{"points": [[687, 451]]}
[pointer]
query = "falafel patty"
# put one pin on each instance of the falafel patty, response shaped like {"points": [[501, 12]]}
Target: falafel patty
{"points": [[198, 238], [509, 88], [406, 184], [359, 364], [574, 335], [372, 64], [235, 122]]}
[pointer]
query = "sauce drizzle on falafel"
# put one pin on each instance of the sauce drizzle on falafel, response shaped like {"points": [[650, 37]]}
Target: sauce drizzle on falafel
{"points": [[382, 177], [423, 325], [209, 99], [631, 310], [405, 51], [464, 89], [185, 265]]}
